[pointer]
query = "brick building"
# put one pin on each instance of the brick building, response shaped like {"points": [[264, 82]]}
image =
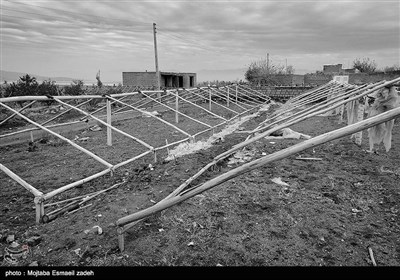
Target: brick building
{"points": [[337, 69], [167, 79], [332, 68]]}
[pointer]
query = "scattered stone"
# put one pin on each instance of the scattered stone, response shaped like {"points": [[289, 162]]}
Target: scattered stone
{"points": [[95, 128], [94, 229], [77, 251], [14, 244], [279, 181], [99, 229], [34, 263], [83, 139], [10, 238]]}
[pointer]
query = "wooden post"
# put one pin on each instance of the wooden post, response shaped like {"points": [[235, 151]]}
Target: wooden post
{"points": [[155, 155], [236, 93], [177, 106], [210, 100], [227, 100], [166, 142], [39, 205], [156, 56], [121, 243], [109, 132]]}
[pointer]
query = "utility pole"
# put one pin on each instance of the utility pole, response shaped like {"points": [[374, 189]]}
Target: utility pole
{"points": [[286, 66], [156, 56], [267, 63]]}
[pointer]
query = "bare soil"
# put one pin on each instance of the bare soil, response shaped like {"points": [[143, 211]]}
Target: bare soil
{"points": [[330, 214]]}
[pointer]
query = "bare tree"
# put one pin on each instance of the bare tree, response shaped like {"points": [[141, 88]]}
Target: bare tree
{"points": [[290, 69], [393, 68], [365, 65], [261, 70]]}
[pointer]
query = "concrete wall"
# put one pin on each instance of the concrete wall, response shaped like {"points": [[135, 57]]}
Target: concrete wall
{"points": [[144, 79], [282, 92], [354, 78], [283, 79], [362, 78], [297, 79], [317, 79], [332, 68]]}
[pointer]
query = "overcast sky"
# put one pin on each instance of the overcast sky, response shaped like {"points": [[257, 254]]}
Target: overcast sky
{"points": [[77, 38]]}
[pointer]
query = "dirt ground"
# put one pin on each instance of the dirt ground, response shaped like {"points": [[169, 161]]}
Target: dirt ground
{"points": [[333, 212]]}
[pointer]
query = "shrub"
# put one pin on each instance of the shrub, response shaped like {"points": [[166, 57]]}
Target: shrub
{"points": [[365, 65], [48, 88], [76, 88], [25, 86]]}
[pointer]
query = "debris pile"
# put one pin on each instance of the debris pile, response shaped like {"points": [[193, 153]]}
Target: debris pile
{"points": [[241, 156], [287, 133], [189, 148]]}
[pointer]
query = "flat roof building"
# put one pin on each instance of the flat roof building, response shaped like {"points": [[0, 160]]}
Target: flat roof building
{"points": [[167, 79]]}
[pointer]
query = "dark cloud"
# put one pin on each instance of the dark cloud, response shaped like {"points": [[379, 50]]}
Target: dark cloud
{"points": [[198, 34]]}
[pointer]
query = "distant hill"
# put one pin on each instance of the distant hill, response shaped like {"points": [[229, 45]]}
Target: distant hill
{"points": [[10, 77]]}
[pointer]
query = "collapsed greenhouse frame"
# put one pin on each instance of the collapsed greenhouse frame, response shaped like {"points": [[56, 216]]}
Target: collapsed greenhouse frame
{"points": [[330, 97], [244, 98]]}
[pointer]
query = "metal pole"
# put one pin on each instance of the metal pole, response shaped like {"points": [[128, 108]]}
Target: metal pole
{"points": [[109, 133], [156, 56]]}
